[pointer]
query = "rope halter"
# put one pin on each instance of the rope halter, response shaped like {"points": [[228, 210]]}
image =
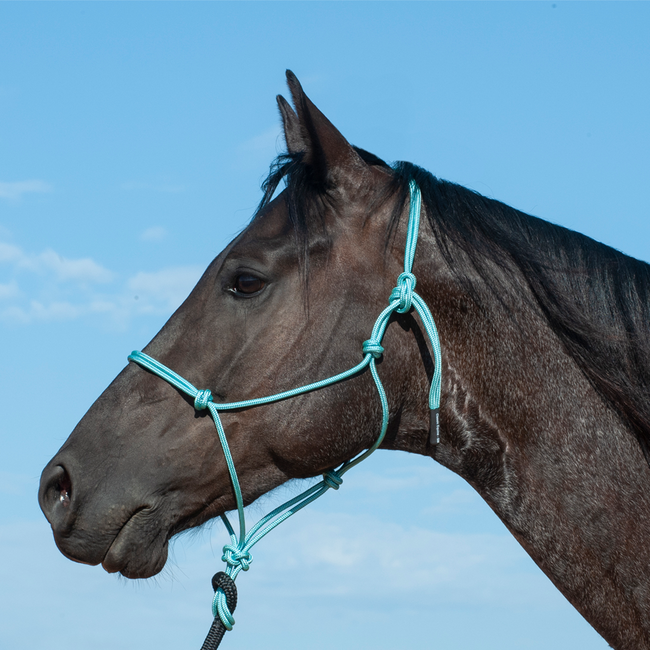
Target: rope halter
{"points": [[403, 298]]}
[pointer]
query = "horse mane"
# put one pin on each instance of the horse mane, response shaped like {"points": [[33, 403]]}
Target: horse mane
{"points": [[594, 298]]}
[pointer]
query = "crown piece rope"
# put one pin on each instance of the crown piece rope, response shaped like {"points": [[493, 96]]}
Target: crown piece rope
{"points": [[237, 554]]}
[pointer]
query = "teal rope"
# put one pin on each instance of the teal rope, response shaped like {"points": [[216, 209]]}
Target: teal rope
{"points": [[403, 298]]}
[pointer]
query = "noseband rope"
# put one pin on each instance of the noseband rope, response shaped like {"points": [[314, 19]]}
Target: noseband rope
{"points": [[237, 554]]}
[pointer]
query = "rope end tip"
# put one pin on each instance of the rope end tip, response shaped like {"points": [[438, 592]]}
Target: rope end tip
{"points": [[434, 426]]}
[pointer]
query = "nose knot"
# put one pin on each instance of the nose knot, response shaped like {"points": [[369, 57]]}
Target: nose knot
{"points": [[404, 292], [372, 347], [235, 557], [201, 400], [332, 479]]}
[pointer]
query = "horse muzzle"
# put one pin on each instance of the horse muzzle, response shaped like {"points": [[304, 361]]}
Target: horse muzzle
{"points": [[126, 538]]}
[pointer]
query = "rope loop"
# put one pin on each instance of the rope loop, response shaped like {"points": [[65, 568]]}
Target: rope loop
{"points": [[220, 608], [201, 399], [223, 605], [236, 557], [404, 292], [372, 347], [332, 479]]}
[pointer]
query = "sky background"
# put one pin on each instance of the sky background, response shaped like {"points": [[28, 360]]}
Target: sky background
{"points": [[133, 138]]}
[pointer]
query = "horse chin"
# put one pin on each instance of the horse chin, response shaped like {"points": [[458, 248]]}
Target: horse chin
{"points": [[133, 554]]}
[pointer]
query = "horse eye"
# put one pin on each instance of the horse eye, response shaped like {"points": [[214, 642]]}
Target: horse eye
{"points": [[247, 284]]}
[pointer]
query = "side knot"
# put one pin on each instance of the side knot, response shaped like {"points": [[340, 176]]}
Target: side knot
{"points": [[372, 347], [404, 292], [332, 479], [235, 557], [201, 400]]}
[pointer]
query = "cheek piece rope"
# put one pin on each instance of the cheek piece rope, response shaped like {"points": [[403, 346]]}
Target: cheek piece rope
{"points": [[237, 554]]}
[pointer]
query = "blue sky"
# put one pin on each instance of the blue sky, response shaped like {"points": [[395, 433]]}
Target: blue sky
{"points": [[133, 138]]}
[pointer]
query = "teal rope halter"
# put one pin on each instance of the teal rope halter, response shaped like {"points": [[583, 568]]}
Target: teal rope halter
{"points": [[403, 298]]}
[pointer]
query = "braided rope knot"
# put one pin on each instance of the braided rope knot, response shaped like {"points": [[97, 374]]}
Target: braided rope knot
{"points": [[372, 347], [235, 557], [332, 479], [202, 398], [403, 292]]}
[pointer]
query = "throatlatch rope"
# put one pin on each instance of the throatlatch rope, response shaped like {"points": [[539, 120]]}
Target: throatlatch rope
{"points": [[237, 554]]}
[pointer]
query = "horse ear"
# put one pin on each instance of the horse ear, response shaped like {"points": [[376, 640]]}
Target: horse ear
{"points": [[329, 155], [292, 131]]}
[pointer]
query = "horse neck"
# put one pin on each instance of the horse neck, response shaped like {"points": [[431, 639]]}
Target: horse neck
{"points": [[522, 424]]}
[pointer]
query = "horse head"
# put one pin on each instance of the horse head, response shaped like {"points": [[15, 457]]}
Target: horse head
{"points": [[291, 299]]}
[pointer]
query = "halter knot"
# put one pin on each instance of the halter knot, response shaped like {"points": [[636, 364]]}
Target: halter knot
{"points": [[372, 347], [235, 557], [332, 479], [201, 399], [403, 292]]}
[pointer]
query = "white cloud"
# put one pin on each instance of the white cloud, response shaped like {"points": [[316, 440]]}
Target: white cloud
{"points": [[49, 262], [15, 190], [155, 233], [166, 288], [363, 556], [102, 306], [49, 287], [54, 311], [8, 290], [11, 253], [146, 293], [15, 314], [82, 270], [159, 292]]}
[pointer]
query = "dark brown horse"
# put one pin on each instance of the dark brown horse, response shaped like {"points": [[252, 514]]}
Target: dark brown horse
{"points": [[545, 389]]}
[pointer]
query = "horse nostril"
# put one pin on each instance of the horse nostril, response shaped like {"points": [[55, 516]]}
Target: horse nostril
{"points": [[64, 487], [56, 496]]}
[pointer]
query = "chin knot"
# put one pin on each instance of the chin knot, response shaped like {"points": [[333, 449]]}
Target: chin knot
{"points": [[234, 557]]}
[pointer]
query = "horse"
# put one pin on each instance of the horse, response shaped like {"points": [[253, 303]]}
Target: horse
{"points": [[545, 389]]}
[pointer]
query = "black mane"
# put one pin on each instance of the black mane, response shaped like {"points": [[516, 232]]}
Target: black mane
{"points": [[595, 298]]}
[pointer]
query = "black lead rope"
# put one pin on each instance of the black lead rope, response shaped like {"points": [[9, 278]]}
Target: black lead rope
{"points": [[224, 582]]}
